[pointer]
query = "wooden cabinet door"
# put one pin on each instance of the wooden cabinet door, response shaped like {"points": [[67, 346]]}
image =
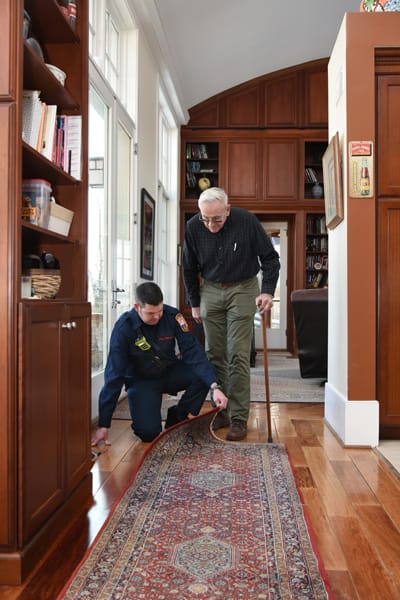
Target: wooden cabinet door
{"points": [[281, 101], [9, 21], [243, 107], [40, 444], [75, 391], [316, 97], [54, 407], [389, 318], [388, 135], [280, 168], [242, 170]]}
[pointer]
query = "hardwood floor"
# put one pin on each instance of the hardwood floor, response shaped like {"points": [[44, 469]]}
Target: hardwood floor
{"points": [[351, 496]]}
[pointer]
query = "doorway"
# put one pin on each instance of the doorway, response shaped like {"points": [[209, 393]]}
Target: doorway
{"points": [[277, 333]]}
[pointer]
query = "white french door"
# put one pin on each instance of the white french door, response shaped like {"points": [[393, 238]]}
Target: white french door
{"points": [[276, 334], [110, 223]]}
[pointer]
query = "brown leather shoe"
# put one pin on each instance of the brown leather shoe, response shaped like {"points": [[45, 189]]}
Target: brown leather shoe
{"points": [[238, 430], [220, 421]]}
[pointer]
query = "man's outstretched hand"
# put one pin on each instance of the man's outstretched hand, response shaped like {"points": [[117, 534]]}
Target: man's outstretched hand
{"points": [[101, 435]]}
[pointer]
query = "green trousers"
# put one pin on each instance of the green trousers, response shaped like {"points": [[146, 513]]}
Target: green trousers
{"points": [[228, 316]]}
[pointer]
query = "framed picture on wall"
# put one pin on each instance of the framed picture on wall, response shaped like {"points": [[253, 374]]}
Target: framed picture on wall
{"points": [[147, 232], [331, 165]]}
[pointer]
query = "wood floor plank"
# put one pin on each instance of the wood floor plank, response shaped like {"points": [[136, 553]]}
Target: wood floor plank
{"points": [[332, 446], [342, 585], [329, 550], [384, 536], [303, 477], [366, 570], [357, 489], [305, 432], [384, 484], [334, 496], [295, 451]]}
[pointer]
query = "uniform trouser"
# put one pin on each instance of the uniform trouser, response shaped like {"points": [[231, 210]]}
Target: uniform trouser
{"points": [[228, 316], [145, 398]]}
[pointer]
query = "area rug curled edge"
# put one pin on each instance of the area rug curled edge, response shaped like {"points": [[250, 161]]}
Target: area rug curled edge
{"points": [[204, 519]]}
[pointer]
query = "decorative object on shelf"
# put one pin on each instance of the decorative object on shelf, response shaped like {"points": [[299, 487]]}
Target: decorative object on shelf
{"points": [[44, 273], [27, 24], [317, 190], [45, 282], [58, 73], [331, 164], [204, 183], [36, 201], [36, 47], [380, 6], [60, 218], [72, 10], [147, 236]]}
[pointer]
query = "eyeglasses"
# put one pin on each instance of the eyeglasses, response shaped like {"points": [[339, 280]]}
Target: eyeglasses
{"points": [[215, 220]]}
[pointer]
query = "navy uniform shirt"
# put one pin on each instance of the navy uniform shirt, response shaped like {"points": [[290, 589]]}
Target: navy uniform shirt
{"points": [[235, 253], [126, 362]]}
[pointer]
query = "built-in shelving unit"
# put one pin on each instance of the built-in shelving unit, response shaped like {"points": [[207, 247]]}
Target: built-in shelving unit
{"points": [[201, 167], [313, 176], [316, 251], [45, 461]]}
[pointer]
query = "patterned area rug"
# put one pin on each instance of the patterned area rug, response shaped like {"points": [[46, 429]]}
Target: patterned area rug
{"points": [[285, 385], [204, 519]]}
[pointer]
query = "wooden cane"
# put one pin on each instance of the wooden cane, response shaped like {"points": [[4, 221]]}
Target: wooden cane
{"points": [[265, 349]]}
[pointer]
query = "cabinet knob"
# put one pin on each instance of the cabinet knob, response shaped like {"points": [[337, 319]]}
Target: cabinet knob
{"points": [[70, 325]]}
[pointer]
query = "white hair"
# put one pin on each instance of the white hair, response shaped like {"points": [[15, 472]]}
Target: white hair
{"points": [[212, 194]]}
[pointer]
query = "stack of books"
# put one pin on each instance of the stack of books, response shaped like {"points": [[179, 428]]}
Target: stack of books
{"points": [[57, 137]]}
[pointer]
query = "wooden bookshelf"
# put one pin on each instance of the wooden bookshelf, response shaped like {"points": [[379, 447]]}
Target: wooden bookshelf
{"points": [[316, 251], [45, 461], [202, 162]]}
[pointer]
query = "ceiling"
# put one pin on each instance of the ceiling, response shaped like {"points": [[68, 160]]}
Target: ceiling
{"points": [[207, 46]]}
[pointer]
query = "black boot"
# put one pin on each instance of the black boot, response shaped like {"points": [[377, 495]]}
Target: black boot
{"points": [[175, 415]]}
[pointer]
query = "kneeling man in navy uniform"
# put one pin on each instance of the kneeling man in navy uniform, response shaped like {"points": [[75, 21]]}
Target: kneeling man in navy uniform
{"points": [[152, 353]]}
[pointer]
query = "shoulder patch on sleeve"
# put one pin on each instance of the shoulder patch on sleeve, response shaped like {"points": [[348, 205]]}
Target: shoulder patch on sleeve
{"points": [[182, 322]]}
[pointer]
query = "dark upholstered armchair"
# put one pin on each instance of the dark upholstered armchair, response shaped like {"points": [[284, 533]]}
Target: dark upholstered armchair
{"points": [[310, 311]]}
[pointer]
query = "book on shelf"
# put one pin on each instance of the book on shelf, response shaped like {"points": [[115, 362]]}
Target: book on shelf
{"points": [[58, 138], [32, 112], [73, 145], [48, 139], [38, 146], [196, 151], [310, 176], [316, 224]]}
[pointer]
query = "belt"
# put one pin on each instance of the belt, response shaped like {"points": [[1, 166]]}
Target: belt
{"points": [[227, 284]]}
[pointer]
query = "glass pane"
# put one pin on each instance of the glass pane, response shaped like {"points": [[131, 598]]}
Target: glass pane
{"points": [[123, 220], [98, 229], [276, 307]]}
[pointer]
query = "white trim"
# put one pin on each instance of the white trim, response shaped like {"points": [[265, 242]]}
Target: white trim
{"points": [[356, 422]]}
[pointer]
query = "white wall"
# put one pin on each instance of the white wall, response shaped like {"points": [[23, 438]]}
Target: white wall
{"points": [[355, 422], [147, 160]]}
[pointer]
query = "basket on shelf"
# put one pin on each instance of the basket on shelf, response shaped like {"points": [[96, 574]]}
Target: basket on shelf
{"points": [[45, 282]]}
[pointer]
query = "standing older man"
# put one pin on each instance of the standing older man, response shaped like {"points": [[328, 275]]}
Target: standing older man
{"points": [[227, 247]]}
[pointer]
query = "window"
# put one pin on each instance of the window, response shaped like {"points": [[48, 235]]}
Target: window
{"points": [[113, 48], [112, 137], [166, 251]]}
